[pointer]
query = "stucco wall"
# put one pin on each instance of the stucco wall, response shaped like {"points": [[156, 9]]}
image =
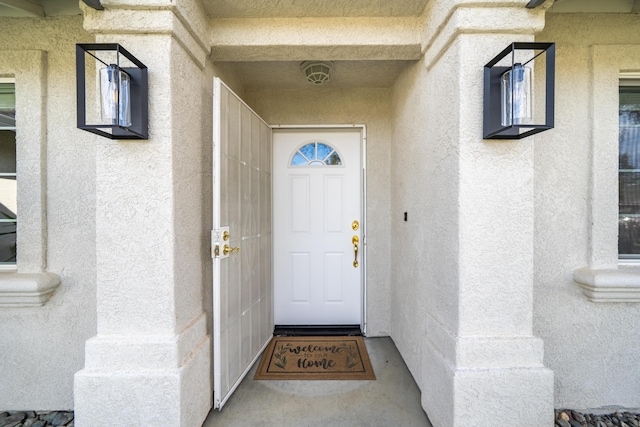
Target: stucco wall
{"points": [[462, 274], [192, 182], [42, 347], [593, 348], [362, 106], [408, 182], [424, 182]]}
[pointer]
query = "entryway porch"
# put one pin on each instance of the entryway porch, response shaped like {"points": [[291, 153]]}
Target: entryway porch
{"points": [[393, 399]]}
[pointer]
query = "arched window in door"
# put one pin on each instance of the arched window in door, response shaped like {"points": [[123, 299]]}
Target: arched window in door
{"points": [[316, 154]]}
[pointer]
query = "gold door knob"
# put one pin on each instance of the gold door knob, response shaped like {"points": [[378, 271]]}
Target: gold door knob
{"points": [[226, 250], [355, 240]]}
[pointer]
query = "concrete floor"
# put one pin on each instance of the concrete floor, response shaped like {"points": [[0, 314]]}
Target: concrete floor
{"points": [[393, 399]]}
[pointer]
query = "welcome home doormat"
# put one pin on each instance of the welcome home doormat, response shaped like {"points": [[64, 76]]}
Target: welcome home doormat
{"points": [[315, 358]]}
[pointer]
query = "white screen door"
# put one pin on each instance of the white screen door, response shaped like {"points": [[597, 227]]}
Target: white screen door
{"points": [[317, 225], [241, 240]]}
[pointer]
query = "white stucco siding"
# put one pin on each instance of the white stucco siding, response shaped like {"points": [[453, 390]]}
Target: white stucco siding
{"points": [[134, 191], [192, 136], [463, 270], [495, 217], [592, 347], [42, 347], [424, 182], [362, 106], [152, 347]]}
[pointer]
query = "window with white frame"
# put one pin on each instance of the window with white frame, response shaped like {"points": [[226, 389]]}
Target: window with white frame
{"points": [[629, 170], [8, 184], [613, 270], [24, 279]]}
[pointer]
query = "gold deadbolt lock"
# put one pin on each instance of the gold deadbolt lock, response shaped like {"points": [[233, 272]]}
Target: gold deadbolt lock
{"points": [[222, 248]]}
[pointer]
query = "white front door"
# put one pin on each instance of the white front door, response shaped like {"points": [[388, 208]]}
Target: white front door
{"points": [[317, 226], [241, 240]]}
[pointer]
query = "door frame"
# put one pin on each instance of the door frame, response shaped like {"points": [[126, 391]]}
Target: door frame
{"points": [[363, 202]]}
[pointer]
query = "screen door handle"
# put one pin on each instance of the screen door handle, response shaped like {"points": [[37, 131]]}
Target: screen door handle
{"points": [[226, 250]]}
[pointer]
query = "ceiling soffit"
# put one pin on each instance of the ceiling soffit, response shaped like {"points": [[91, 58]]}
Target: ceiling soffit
{"points": [[287, 75], [595, 6], [38, 8], [281, 39], [218, 9]]}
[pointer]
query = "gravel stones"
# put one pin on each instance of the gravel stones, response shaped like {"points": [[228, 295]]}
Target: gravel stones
{"points": [[36, 419], [569, 418], [564, 418], [12, 419]]}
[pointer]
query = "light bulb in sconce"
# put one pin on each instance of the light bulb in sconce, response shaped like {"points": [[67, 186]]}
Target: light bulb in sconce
{"points": [[115, 88], [516, 96]]}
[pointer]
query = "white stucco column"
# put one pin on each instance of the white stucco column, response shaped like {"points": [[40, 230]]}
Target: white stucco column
{"points": [[480, 353], [150, 362]]}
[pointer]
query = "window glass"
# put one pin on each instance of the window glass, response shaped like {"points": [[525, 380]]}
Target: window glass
{"points": [[629, 173], [7, 105], [316, 154], [299, 160], [323, 151], [8, 187]]}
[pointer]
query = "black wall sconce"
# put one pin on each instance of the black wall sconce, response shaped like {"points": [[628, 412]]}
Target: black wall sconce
{"points": [[511, 107], [122, 91]]}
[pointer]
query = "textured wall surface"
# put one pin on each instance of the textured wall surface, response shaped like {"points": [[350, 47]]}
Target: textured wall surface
{"points": [[462, 263], [593, 348], [259, 8], [43, 347], [152, 349], [422, 186], [434, 281], [361, 106]]}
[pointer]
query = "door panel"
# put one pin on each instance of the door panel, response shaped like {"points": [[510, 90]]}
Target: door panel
{"points": [[242, 284], [317, 194]]}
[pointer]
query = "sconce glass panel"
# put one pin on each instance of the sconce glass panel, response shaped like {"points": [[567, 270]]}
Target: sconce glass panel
{"points": [[112, 91], [519, 91]]}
